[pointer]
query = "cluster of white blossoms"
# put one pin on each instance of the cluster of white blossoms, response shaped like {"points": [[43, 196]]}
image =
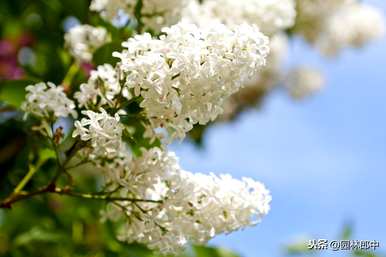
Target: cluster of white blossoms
{"points": [[83, 40], [46, 100], [101, 88], [332, 25], [185, 75], [303, 81], [103, 131], [210, 58], [109, 9], [270, 16], [155, 14], [352, 26], [191, 208], [268, 77], [312, 14], [179, 207]]}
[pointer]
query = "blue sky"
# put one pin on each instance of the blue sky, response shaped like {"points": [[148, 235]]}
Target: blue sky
{"points": [[324, 159]]}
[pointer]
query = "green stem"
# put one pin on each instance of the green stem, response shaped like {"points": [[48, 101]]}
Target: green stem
{"points": [[32, 170], [138, 15], [70, 74]]}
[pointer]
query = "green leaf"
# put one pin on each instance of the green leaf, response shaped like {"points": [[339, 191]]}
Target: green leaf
{"points": [[364, 254], [298, 248], [347, 231], [202, 251], [136, 250], [77, 8], [12, 92], [197, 134], [105, 54], [226, 253], [46, 154], [38, 234]]}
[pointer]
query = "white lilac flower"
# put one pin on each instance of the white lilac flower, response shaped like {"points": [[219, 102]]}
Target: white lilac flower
{"points": [[313, 9], [312, 14], [46, 100], [170, 10], [351, 26], [279, 50], [185, 76], [109, 9], [255, 89], [83, 40], [155, 14], [270, 16], [101, 88], [103, 131], [192, 208], [302, 82]]}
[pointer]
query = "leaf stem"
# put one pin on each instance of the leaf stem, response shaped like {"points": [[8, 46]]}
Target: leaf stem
{"points": [[67, 81], [138, 15], [32, 170]]}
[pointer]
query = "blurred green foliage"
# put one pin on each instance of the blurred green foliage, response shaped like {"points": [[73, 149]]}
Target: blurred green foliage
{"points": [[54, 226], [42, 23]]}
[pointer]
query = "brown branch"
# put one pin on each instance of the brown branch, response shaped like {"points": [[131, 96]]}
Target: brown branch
{"points": [[52, 189], [16, 197], [7, 109]]}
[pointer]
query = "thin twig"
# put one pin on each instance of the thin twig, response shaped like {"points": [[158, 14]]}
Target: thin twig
{"points": [[67, 81], [99, 196], [7, 203], [7, 109], [32, 170]]}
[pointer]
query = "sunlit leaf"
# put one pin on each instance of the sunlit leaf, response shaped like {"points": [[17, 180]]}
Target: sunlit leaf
{"points": [[38, 234], [298, 248], [105, 54], [12, 92], [202, 251]]}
